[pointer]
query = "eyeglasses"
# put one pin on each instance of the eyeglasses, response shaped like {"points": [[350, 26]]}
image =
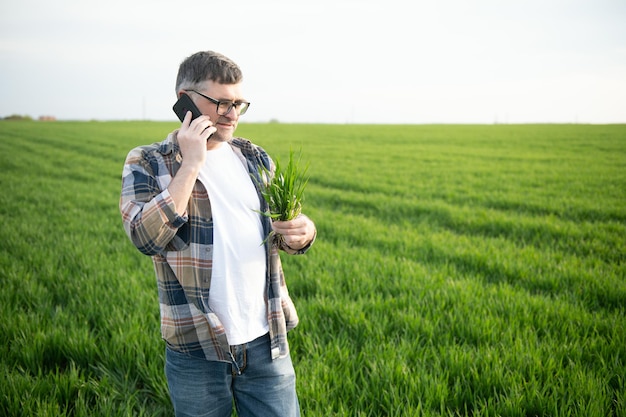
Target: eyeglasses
{"points": [[225, 106]]}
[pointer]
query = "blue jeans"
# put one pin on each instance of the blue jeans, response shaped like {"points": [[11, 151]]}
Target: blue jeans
{"points": [[258, 385]]}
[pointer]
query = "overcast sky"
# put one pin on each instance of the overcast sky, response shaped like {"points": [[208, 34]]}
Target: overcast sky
{"points": [[330, 61]]}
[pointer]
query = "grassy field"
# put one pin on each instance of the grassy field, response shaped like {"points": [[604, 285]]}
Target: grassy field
{"points": [[459, 270]]}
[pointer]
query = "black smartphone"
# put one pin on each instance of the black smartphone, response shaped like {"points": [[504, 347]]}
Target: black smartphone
{"points": [[185, 104]]}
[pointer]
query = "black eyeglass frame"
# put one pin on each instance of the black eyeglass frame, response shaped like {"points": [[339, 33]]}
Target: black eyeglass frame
{"points": [[233, 104]]}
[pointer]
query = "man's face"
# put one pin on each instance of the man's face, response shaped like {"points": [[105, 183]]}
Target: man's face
{"points": [[226, 123]]}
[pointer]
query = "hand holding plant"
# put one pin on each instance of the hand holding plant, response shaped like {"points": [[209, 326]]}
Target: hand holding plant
{"points": [[284, 191]]}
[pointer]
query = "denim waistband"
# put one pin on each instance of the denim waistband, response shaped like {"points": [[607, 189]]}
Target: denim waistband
{"points": [[259, 340]]}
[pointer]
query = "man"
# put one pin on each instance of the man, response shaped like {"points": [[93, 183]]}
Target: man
{"points": [[192, 203]]}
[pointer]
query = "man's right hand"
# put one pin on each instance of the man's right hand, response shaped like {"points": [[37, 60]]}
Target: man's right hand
{"points": [[192, 139]]}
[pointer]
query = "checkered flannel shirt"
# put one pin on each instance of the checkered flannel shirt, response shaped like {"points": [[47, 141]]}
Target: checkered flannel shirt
{"points": [[181, 247]]}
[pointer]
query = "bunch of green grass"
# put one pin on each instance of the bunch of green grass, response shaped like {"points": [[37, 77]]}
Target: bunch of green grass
{"points": [[284, 191]]}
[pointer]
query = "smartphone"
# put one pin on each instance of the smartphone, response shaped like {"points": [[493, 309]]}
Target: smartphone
{"points": [[183, 105]]}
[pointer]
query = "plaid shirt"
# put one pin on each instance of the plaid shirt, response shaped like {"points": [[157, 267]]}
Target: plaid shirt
{"points": [[181, 247]]}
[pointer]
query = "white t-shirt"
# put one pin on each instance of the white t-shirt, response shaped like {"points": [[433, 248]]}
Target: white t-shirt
{"points": [[237, 293]]}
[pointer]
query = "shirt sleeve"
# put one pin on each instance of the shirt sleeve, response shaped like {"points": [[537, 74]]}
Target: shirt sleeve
{"points": [[148, 212]]}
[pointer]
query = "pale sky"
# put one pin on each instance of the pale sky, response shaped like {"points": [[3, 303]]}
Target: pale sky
{"points": [[322, 61]]}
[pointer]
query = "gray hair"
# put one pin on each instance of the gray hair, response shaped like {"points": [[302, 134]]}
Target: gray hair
{"points": [[204, 66]]}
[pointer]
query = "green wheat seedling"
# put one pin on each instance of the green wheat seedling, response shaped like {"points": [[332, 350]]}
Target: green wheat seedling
{"points": [[284, 191]]}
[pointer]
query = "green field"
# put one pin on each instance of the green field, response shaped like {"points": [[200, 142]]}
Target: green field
{"points": [[458, 271]]}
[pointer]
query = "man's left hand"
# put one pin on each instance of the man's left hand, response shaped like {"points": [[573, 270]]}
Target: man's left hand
{"points": [[296, 233]]}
